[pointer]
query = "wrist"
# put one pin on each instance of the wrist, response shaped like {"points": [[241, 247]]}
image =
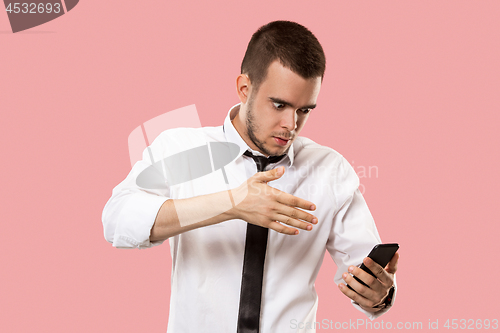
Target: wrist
{"points": [[237, 195], [387, 301]]}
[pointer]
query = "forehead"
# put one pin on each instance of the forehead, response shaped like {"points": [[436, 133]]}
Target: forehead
{"points": [[282, 83]]}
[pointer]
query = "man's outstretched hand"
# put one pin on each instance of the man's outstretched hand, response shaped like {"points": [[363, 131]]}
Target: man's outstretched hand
{"points": [[263, 205], [368, 298]]}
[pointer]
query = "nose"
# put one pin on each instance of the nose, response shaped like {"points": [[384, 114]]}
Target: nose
{"points": [[289, 119]]}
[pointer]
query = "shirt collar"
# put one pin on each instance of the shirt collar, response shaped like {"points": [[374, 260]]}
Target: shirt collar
{"points": [[233, 136]]}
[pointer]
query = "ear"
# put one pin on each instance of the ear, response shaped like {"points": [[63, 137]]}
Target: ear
{"points": [[243, 87]]}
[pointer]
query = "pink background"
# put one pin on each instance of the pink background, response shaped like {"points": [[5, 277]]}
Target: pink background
{"points": [[412, 88]]}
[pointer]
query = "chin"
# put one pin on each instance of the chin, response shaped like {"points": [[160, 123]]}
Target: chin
{"points": [[280, 150], [274, 150]]}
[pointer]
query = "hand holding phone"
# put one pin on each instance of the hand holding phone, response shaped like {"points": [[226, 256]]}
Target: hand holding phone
{"points": [[381, 254]]}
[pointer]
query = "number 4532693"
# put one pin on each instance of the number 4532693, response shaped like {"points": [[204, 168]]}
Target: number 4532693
{"points": [[471, 324], [33, 8]]}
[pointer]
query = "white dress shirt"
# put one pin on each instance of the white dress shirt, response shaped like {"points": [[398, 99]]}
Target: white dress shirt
{"points": [[207, 262]]}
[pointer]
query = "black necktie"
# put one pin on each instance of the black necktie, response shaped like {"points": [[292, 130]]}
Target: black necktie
{"points": [[253, 265]]}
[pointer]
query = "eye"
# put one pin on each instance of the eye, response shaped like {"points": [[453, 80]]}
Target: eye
{"points": [[278, 106], [305, 111]]}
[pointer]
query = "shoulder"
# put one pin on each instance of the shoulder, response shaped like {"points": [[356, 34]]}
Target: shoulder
{"points": [[179, 139], [329, 166], [188, 132], [324, 160], [306, 149], [189, 135]]}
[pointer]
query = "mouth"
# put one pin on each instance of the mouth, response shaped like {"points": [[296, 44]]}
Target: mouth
{"points": [[281, 141]]}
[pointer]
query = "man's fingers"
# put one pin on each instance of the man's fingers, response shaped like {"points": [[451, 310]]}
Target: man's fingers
{"points": [[270, 175], [281, 228], [283, 197], [379, 271], [356, 285], [293, 222], [367, 296], [293, 201], [279, 209], [363, 276], [392, 266], [354, 295], [297, 214], [374, 267]]}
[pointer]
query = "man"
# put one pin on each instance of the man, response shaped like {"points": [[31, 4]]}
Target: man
{"points": [[217, 236]]}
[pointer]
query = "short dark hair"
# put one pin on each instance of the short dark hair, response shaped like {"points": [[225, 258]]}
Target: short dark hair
{"points": [[292, 44]]}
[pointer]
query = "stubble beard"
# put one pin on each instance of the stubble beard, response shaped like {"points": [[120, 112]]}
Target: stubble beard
{"points": [[251, 129]]}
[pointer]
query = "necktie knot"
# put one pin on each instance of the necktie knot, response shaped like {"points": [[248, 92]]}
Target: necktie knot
{"points": [[261, 161]]}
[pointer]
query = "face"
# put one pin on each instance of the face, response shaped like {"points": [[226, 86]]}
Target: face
{"points": [[271, 118]]}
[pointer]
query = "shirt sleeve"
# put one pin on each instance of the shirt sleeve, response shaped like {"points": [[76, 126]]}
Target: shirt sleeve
{"points": [[130, 213], [353, 233]]}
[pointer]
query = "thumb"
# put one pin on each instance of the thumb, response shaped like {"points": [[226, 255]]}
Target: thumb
{"points": [[271, 175], [392, 266]]}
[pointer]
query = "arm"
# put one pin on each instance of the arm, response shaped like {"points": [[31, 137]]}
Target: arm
{"points": [[253, 201], [167, 223], [353, 234], [134, 217]]}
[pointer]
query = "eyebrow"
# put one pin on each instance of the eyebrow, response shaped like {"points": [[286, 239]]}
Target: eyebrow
{"points": [[279, 100]]}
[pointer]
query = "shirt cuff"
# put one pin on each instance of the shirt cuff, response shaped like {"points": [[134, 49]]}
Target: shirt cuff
{"points": [[136, 220]]}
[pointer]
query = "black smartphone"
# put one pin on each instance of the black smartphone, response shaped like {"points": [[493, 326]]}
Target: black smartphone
{"points": [[381, 254]]}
